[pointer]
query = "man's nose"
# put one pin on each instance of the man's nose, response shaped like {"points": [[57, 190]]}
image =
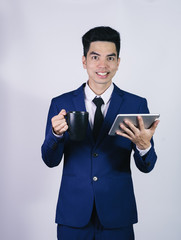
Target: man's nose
{"points": [[102, 63]]}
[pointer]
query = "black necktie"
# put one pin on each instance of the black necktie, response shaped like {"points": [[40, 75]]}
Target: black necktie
{"points": [[98, 118]]}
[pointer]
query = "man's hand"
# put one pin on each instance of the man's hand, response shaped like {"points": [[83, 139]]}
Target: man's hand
{"points": [[140, 136], [59, 123]]}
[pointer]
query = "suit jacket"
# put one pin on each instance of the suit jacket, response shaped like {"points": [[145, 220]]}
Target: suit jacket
{"points": [[107, 159]]}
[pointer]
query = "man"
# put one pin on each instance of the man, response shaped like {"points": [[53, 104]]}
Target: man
{"points": [[96, 199]]}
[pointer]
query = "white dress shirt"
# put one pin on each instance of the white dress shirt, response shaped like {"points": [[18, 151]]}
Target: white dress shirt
{"points": [[91, 107]]}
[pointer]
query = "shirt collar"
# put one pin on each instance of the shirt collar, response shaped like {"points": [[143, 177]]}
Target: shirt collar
{"points": [[90, 95]]}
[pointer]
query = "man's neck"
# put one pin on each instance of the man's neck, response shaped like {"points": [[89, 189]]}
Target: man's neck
{"points": [[99, 89]]}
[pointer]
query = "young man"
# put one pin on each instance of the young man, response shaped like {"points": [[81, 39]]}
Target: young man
{"points": [[96, 199]]}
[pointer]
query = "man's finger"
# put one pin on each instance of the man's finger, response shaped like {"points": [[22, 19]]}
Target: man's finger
{"points": [[62, 112], [140, 123], [155, 124], [123, 134], [130, 126]]}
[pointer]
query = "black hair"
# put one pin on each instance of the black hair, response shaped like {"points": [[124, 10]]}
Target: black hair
{"points": [[102, 33]]}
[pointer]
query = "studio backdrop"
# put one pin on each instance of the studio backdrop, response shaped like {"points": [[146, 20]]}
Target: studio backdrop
{"points": [[40, 58]]}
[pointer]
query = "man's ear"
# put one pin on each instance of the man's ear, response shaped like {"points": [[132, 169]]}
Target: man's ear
{"points": [[84, 62], [119, 59]]}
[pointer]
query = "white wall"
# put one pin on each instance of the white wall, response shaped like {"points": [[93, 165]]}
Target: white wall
{"points": [[40, 57]]}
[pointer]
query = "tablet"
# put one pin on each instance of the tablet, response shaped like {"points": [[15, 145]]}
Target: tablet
{"points": [[148, 120]]}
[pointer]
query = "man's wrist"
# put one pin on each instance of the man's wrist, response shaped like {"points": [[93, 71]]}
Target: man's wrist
{"points": [[56, 135], [143, 152]]}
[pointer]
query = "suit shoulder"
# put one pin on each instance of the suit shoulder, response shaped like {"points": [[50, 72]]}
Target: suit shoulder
{"points": [[68, 95], [133, 96], [64, 96], [130, 95]]}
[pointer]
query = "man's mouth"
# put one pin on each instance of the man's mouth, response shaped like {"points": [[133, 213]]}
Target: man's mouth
{"points": [[103, 74]]}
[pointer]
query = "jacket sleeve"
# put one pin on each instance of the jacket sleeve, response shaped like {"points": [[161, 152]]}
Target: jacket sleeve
{"points": [[53, 147], [147, 162]]}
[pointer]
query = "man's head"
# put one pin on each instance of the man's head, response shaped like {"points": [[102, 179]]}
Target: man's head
{"points": [[105, 34], [101, 57]]}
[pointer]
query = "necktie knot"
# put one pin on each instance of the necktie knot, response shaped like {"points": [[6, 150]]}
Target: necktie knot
{"points": [[98, 102]]}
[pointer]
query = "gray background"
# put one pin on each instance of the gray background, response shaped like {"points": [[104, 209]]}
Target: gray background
{"points": [[40, 57]]}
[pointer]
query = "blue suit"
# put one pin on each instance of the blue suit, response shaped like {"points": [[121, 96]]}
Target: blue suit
{"points": [[107, 159]]}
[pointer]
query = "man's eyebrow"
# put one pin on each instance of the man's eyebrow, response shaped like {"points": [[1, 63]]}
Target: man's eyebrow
{"points": [[111, 55], [94, 53]]}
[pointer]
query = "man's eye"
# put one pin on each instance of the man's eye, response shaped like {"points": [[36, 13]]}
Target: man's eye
{"points": [[111, 58], [94, 57]]}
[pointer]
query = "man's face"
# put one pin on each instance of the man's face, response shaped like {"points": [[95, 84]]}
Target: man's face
{"points": [[101, 63]]}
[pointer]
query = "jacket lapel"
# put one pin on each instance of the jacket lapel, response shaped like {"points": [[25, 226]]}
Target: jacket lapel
{"points": [[78, 99]]}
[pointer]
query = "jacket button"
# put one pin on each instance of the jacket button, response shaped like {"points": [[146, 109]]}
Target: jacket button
{"points": [[95, 179], [95, 154]]}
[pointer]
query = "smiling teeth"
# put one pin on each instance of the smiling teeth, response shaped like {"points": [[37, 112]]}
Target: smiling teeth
{"points": [[102, 74]]}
